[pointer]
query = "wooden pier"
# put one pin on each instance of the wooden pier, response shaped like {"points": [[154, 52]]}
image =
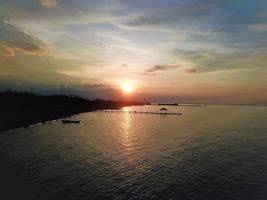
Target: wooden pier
{"points": [[148, 112], [183, 104]]}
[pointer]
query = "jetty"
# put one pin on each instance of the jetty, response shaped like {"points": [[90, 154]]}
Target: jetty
{"points": [[148, 112], [183, 104]]}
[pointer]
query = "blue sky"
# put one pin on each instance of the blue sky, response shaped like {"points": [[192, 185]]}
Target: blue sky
{"points": [[172, 50]]}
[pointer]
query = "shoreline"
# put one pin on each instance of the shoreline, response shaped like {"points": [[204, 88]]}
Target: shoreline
{"points": [[18, 109], [35, 122]]}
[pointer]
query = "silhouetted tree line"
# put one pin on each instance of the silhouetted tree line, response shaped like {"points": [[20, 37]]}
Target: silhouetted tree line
{"points": [[19, 109]]}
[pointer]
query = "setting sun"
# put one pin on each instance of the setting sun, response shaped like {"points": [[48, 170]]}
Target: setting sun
{"points": [[127, 87]]}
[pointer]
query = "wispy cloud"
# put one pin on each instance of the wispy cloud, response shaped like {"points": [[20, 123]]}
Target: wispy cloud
{"points": [[211, 61], [13, 39], [259, 27], [171, 14]]}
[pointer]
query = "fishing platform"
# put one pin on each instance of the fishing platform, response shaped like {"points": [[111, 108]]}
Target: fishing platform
{"points": [[148, 112]]}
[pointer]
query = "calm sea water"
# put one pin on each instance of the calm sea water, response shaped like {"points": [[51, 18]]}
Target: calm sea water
{"points": [[217, 152]]}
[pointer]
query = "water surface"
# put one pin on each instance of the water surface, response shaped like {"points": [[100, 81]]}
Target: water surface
{"points": [[213, 152]]}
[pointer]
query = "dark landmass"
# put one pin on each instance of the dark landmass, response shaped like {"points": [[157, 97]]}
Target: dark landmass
{"points": [[21, 109]]}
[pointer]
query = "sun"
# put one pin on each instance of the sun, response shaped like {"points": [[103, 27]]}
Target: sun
{"points": [[127, 87]]}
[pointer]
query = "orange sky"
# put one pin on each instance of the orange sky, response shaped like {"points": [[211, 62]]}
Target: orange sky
{"points": [[171, 50]]}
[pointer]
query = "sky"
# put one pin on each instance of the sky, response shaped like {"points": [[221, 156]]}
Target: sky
{"points": [[169, 50]]}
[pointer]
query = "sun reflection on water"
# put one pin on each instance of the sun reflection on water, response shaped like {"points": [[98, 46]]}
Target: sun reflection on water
{"points": [[126, 109], [126, 125]]}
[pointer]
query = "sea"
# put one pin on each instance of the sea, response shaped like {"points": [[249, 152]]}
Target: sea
{"points": [[208, 153]]}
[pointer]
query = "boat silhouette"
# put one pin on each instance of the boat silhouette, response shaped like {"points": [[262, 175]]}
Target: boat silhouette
{"points": [[163, 109], [70, 121]]}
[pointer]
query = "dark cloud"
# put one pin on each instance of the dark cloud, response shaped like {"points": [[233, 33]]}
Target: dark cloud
{"points": [[124, 66], [88, 90], [156, 68], [161, 68], [13, 39], [191, 71]]}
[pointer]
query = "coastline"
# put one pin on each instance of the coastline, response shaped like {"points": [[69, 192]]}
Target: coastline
{"points": [[37, 120], [18, 110]]}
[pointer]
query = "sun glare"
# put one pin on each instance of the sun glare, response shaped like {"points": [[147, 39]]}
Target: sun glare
{"points": [[127, 87]]}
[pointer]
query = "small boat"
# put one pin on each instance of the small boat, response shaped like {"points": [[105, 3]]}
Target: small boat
{"points": [[70, 121]]}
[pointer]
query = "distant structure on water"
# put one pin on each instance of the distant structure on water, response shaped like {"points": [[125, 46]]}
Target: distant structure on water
{"points": [[164, 109], [168, 104], [183, 104]]}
